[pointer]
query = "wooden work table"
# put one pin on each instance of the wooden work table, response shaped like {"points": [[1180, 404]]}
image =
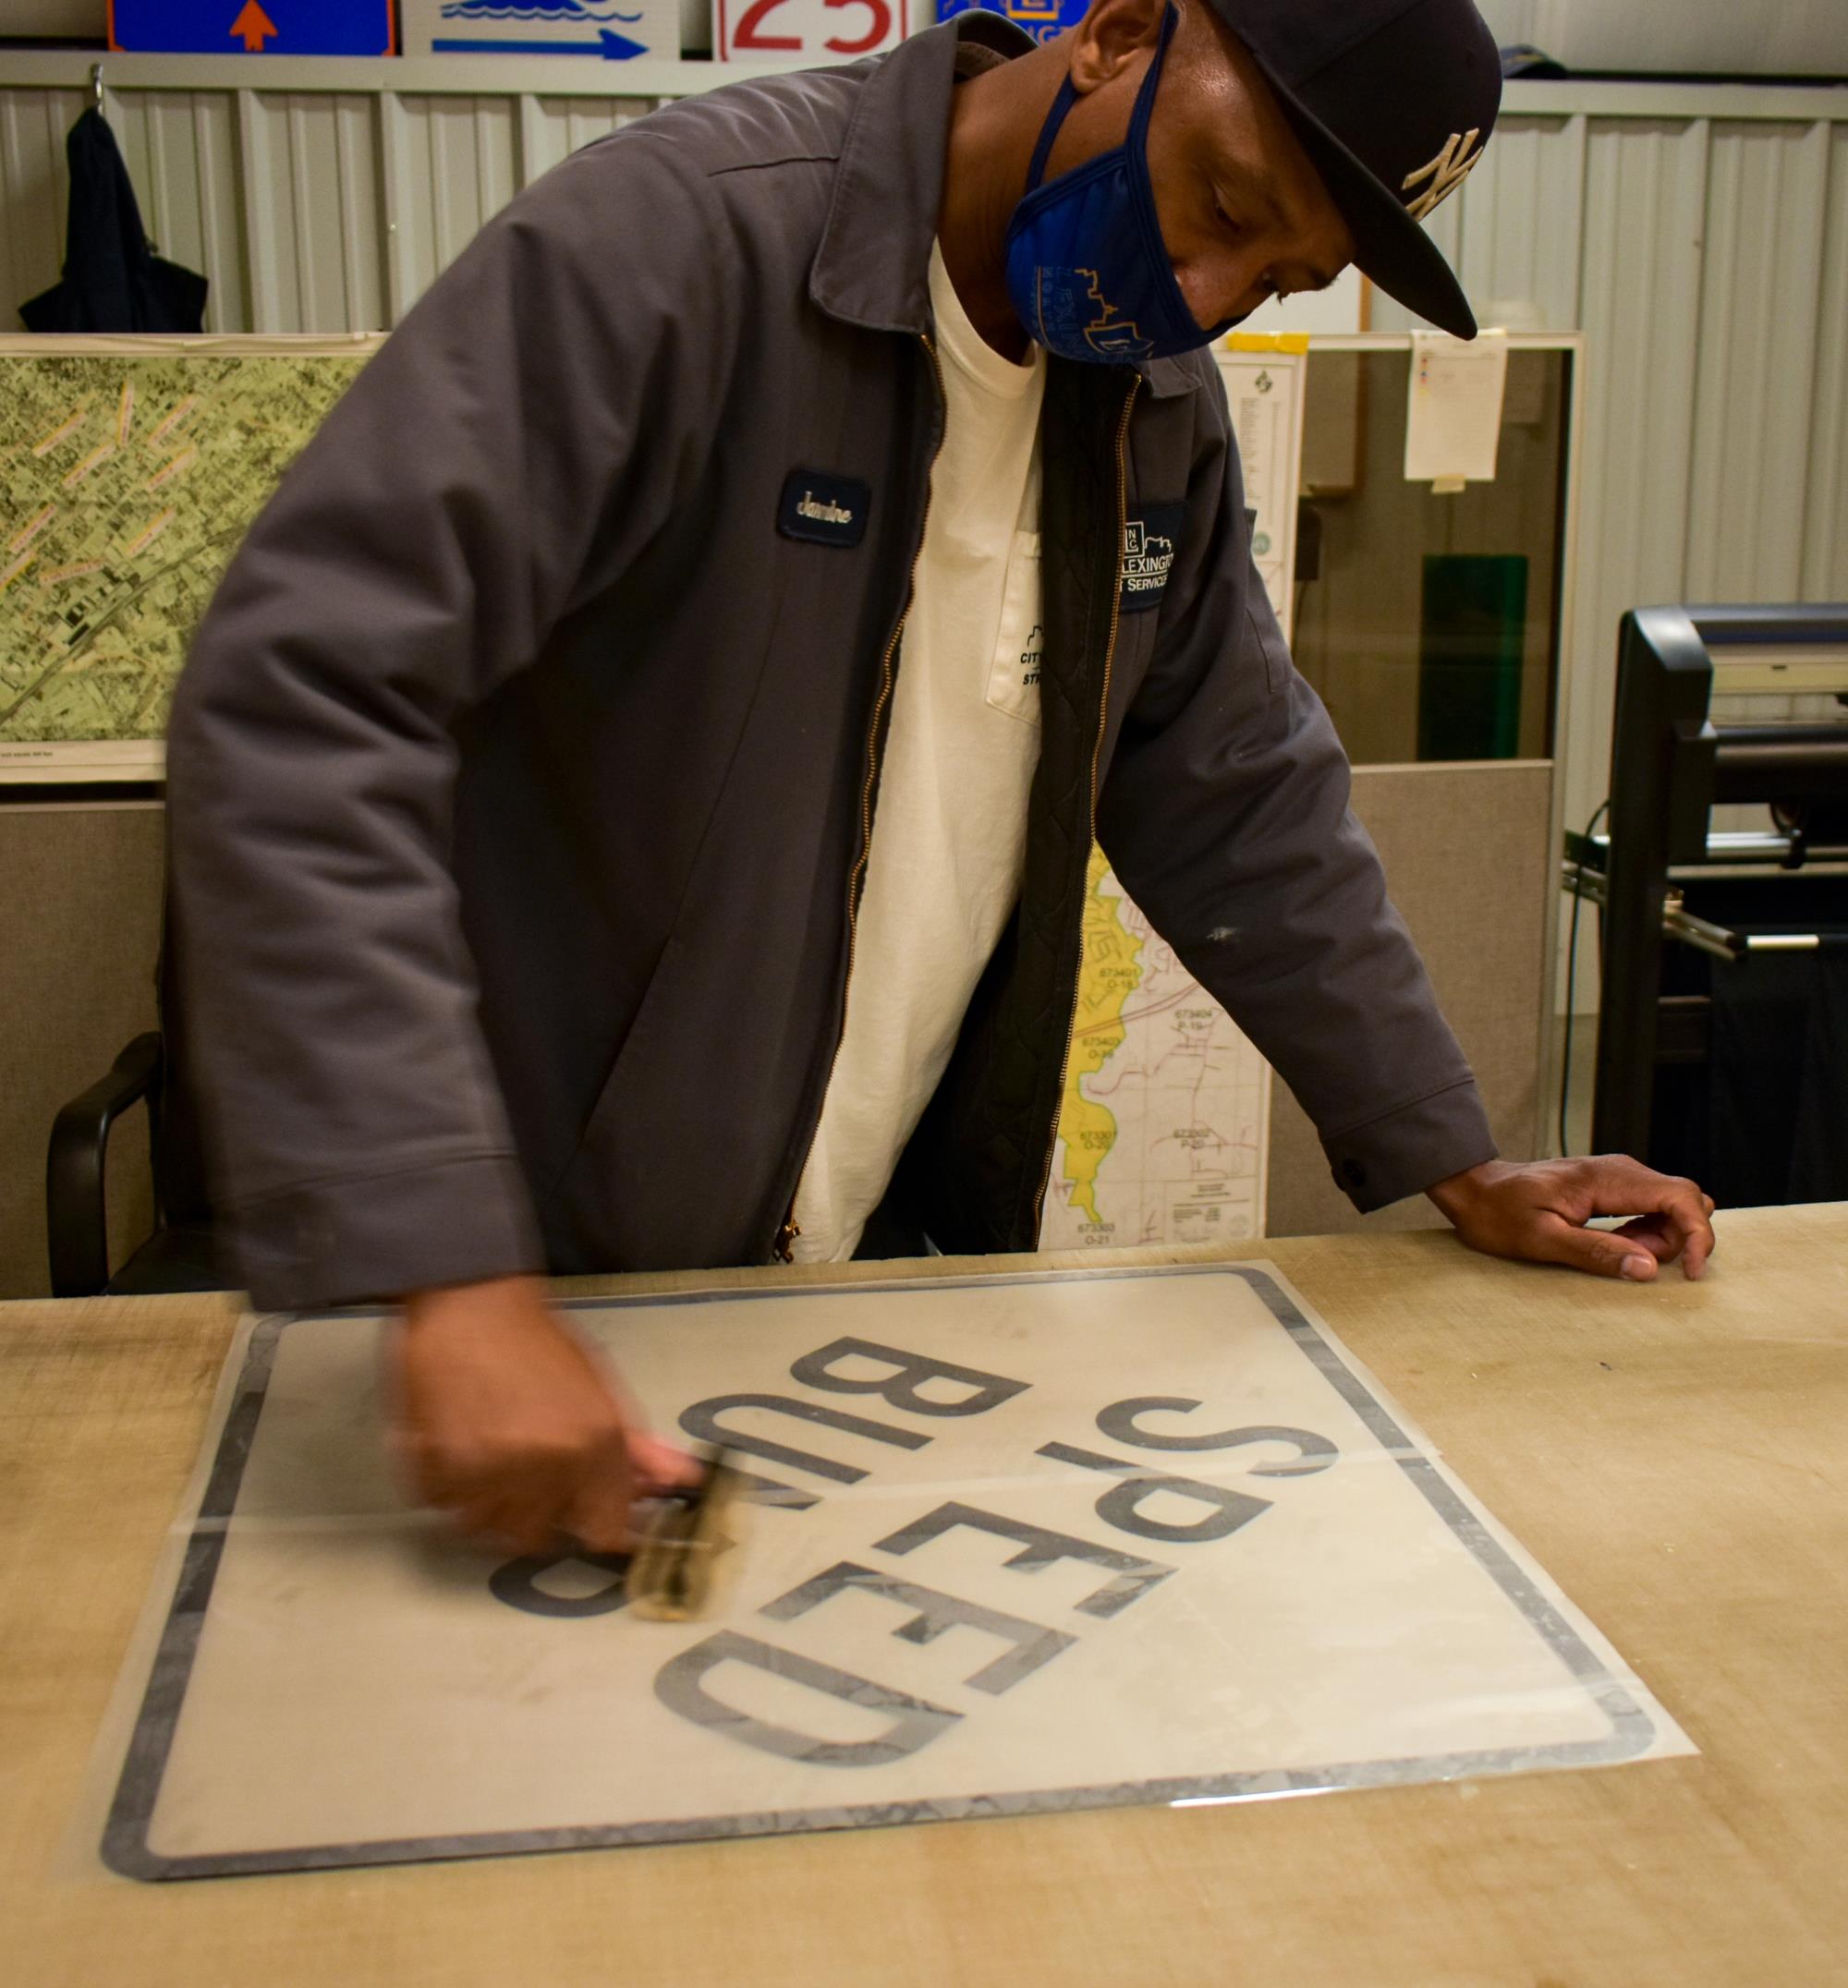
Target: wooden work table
{"points": [[1675, 1455]]}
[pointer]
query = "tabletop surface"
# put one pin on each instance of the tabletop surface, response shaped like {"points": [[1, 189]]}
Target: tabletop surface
{"points": [[1673, 1455]]}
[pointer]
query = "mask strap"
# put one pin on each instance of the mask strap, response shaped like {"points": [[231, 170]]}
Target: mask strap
{"points": [[1138, 117], [1062, 104], [1145, 97]]}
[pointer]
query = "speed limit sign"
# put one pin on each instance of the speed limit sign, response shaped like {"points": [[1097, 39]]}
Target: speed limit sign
{"points": [[798, 32]]}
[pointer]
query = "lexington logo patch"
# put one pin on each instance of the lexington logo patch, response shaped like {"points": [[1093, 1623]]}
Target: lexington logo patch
{"points": [[823, 509], [1149, 543]]}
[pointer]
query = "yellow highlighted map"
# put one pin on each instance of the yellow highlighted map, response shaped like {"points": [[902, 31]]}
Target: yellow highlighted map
{"points": [[1111, 972], [1164, 1122]]}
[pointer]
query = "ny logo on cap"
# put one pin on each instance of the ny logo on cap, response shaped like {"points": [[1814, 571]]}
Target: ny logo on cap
{"points": [[1446, 172]]}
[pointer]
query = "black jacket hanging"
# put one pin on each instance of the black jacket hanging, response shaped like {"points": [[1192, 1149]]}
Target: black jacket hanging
{"points": [[112, 280]]}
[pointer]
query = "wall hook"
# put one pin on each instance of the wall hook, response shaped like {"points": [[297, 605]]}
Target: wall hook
{"points": [[96, 85]]}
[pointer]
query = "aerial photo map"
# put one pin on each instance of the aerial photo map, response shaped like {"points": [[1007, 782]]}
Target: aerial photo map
{"points": [[126, 482]]}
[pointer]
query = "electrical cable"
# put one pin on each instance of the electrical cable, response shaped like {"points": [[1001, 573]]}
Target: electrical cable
{"points": [[1598, 814]]}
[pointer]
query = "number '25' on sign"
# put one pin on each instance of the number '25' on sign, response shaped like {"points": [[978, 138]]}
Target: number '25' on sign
{"points": [[798, 32]]}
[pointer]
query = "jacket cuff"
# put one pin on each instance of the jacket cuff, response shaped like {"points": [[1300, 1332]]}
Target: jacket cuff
{"points": [[375, 1237], [1411, 1150]]}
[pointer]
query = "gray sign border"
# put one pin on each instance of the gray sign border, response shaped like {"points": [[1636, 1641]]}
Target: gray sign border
{"points": [[125, 1848]]}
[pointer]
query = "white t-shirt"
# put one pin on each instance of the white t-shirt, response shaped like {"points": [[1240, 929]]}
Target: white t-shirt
{"points": [[951, 828]]}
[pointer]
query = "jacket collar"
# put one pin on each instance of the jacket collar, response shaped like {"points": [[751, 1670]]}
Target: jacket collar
{"points": [[872, 268]]}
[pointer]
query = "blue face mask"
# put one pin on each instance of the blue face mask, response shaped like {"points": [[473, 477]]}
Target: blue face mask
{"points": [[1086, 268]]}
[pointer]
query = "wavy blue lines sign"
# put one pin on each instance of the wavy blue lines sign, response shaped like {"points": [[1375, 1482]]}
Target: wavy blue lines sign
{"points": [[604, 31], [252, 27]]}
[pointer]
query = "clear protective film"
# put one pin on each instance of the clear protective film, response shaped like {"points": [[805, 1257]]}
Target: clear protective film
{"points": [[1013, 1544]]}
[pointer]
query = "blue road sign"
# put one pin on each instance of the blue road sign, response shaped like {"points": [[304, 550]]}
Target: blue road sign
{"points": [[252, 27], [609, 46], [606, 31], [1041, 18]]}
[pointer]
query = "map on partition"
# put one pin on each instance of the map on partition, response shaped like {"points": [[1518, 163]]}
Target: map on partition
{"points": [[1164, 1128], [126, 483], [1014, 1544]]}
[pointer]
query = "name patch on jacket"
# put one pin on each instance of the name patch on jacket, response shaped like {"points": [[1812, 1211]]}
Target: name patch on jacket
{"points": [[822, 508], [1149, 543]]}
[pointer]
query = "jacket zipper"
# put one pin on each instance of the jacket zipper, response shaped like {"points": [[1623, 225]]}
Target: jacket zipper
{"points": [[784, 1249], [1097, 756]]}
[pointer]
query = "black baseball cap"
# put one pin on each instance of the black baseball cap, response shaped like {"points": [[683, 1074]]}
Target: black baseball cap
{"points": [[1394, 101]]}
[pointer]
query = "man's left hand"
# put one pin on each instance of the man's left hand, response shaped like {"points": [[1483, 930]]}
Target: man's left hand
{"points": [[1538, 1212]]}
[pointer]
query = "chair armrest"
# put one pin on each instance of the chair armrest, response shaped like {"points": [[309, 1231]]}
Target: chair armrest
{"points": [[76, 1215]]}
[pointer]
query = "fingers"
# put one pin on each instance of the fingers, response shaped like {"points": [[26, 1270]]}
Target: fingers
{"points": [[1598, 1251], [1625, 1186], [506, 1422], [1700, 1242], [511, 1509], [531, 1504], [507, 1528], [1540, 1212], [598, 1516], [1650, 1233], [582, 1502], [659, 1466]]}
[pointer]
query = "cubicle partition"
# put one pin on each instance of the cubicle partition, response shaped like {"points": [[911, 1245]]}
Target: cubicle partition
{"points": [[80, 928], [1435, 627]]}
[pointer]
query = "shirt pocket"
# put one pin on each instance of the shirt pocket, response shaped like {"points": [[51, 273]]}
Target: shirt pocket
{"points": [[1014, 669]]}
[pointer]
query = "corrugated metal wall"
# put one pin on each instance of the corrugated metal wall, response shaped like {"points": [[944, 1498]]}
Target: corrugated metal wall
{"points": [[1698, 236], [310, 211], [1704, 257]]}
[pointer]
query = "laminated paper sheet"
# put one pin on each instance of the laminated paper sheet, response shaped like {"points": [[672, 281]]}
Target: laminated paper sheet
{"points": [[1454, 414], [1019, 1543], [1264, 381]]}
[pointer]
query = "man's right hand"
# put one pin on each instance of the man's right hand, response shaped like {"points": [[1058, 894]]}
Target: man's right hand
{"points": [[505, 1420]]}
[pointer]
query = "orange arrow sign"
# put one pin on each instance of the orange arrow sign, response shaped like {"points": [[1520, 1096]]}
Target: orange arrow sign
{"points": [[253, 24]]}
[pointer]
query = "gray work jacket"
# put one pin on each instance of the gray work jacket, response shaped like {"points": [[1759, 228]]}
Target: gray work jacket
{"points": [[522, 775]]}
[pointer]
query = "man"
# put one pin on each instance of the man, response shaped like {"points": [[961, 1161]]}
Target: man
{"points": [[612, 825]]}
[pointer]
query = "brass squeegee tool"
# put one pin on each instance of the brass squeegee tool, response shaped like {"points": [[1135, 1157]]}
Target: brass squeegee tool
{"points": [[683, 1533]]}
